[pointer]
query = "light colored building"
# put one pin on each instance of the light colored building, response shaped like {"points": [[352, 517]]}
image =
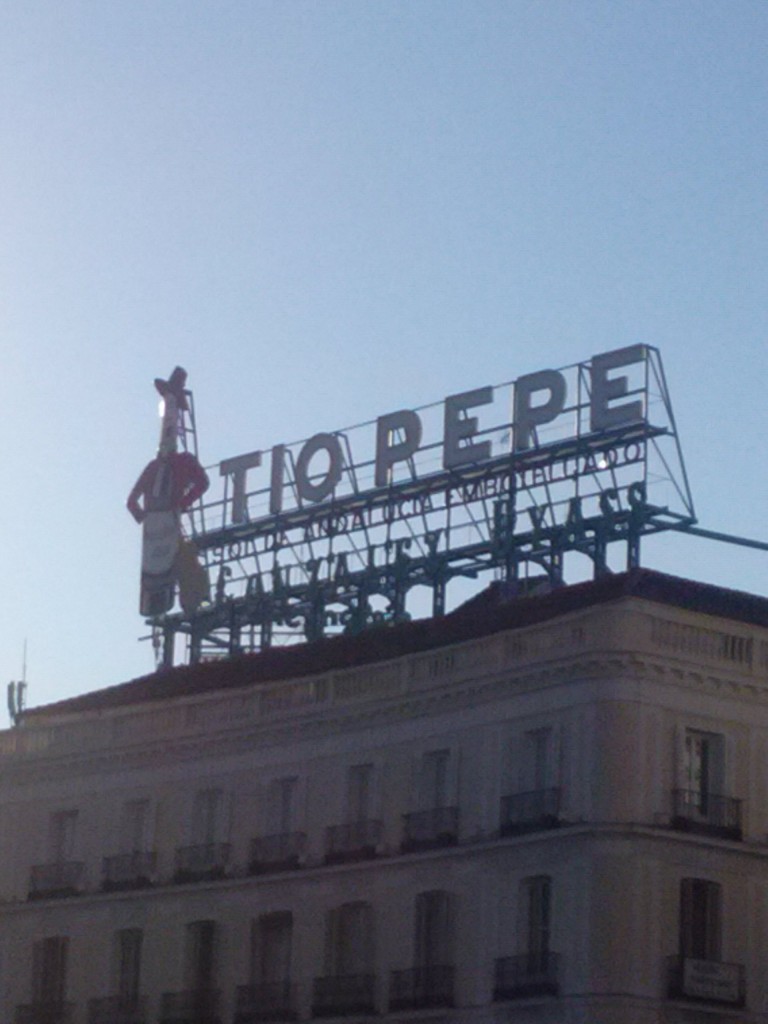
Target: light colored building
{"points": [[546, 809]]}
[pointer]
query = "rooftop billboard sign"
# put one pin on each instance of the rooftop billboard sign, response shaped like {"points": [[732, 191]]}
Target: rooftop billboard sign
{"points": [[341, 529]]}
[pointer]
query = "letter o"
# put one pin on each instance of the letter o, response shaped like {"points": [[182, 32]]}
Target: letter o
{"points": [[320, 442], [632, 452]]}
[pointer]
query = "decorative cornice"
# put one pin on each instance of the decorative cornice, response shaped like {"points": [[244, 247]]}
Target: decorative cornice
{"points": [[322, 718]]}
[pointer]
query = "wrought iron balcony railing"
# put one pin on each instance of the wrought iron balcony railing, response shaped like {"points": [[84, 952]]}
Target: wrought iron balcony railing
{"points": [[268, 1001], [117, 1010], [204, 862], [424, 830], [706, 981], [129, 870], [61, 878], [528, 812], [706, 813], [419, 988], [530, 974], [280, 852], [342, 995], [45, 1013], [356, 840], [193, 1006]]}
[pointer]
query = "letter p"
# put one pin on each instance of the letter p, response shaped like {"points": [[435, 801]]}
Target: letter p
{"points": [[388, 450], [529, 416]]}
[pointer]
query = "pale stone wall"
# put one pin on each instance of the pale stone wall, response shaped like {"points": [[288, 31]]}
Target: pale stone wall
{"points": [[617, 685]]}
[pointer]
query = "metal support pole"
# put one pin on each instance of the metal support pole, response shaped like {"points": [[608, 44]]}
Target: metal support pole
{"points": [[195, 647], [169, 637], [234, 632], [266, 631]]}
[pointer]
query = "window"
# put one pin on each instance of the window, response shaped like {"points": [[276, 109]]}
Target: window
{"points": [[348, 984], [128, 943], [282, 805], [49, 970], [359, 792], [700, 919], [207, 817], [349, 940], [539, 767], [200, 956], [703, 768], [536, 911], [433, 946], [701, 802], [63, 826], [134, 826], [434, 780], [271, 938]]}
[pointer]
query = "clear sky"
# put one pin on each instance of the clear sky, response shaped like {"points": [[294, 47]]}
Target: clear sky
{"points": [[329, 209]]}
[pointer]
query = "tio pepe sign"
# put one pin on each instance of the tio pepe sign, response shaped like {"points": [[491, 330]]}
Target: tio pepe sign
{"points": [[540, 399]]}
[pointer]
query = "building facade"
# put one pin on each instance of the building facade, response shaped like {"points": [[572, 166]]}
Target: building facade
{"points": [[552, 808]]}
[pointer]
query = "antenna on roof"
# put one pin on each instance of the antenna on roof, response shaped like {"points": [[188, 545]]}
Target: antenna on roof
{"points": [[17, 692]]}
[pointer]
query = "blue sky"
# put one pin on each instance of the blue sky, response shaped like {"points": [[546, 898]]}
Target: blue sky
{"points": [[328, 210]]}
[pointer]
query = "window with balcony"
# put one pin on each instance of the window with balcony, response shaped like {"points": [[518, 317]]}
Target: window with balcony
{"points": [[49, 969], [703, 767], [126, 1005], [701, 803], [348, 984], [62, 832], [207, 857], [434, 779], [539, 744], [359, 792], [698, 973], [283, 804], [61, 875], [436, 820], [700, 918], [269, 996], [208, 816], [135, 825], [536, 802], [201, 955], [49, 984], [134, 864], [429, 983], [281, 845], [534, 970], [536, 903], [198, 1001], [360, 834], [128, 945]]}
